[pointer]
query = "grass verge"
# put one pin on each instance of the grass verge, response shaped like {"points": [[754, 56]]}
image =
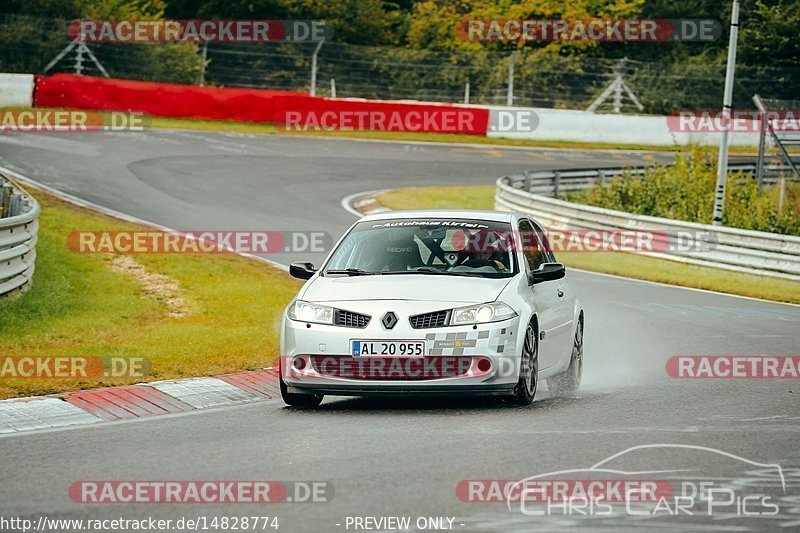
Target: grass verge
{"points": [[622, 264], [81, 305]]}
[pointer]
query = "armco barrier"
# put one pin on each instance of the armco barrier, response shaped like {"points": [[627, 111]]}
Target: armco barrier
{"points": [[16, 90], [19, 226], [752, 252], [250, 105], [573, 125]]}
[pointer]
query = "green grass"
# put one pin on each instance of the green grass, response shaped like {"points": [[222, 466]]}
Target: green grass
{"points": [[79, 306], [622, 264]]}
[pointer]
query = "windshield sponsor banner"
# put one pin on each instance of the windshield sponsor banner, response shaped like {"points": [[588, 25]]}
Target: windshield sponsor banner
{"points": [[734, 121], [49, 120], [593, 29], [734, 366], [203, 241], [209, 31], [71, 366]]}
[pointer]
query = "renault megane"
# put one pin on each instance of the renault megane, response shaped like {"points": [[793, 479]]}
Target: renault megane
{"points": [[443, 302]]}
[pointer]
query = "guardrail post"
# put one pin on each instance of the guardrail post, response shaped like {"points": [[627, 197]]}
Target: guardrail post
{"points": [[15, 205], [5, 200], [556, 183], [528, 181], [601, 176]]}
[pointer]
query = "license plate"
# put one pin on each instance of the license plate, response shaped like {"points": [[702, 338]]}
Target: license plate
{"points": [[388, 348]]}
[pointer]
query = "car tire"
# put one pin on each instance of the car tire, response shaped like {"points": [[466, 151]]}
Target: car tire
{"points": [[528, 382], [567, 383], [294, 399]]}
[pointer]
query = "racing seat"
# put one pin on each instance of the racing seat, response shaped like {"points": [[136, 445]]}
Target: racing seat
{"points": [[401, 255]]}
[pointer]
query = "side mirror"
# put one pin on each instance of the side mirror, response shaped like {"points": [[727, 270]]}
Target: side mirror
{"points": [[547, 272], [302, 270]]}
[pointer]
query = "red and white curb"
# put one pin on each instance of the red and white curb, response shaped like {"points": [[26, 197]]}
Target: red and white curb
{"points": [[136, 401], [363, 203]]}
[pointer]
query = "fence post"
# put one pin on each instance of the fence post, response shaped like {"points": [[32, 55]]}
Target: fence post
{"points": [[528, 181], [466, 93], [556, 183], [601, 175], [333, 87], [203, 64], [762, 141], [782, 193], [79, 60], [510, 94], [313, 91]]}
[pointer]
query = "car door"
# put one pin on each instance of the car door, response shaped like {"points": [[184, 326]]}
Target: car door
{"points": [[543, 297], [562, 330]]}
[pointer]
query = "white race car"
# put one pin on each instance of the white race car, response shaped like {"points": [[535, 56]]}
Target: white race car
{"points": [[443, 302]]}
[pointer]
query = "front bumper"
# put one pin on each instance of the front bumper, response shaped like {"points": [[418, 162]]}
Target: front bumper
{"points": [[480, 360]]}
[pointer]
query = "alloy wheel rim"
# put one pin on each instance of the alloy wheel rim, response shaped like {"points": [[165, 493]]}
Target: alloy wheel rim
{"points": [[530, 349], [577, 353]]}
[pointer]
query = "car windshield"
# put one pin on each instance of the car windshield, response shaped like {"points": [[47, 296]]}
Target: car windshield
{"points": [[456, 247]]}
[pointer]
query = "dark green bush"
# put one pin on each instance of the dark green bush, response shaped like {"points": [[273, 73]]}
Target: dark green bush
{"points": [[685, 191]]}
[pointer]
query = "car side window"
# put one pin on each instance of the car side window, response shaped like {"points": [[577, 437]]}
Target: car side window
{"points": [[532, 248], [548, 251]]}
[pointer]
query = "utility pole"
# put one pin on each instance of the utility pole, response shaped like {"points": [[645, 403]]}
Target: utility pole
{"points": [[722, 166]]}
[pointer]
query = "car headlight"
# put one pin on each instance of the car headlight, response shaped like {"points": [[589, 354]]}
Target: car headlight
{"points": [[308, 312], [482, 313]]}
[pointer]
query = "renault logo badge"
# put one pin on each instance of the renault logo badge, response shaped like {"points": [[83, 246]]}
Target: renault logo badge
{"points": [[389, 320]]}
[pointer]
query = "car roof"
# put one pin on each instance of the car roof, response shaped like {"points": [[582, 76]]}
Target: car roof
{"points": [[468, 214]]}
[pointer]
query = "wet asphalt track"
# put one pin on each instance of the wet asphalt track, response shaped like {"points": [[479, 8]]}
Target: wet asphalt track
{"points": [[405, 458]]}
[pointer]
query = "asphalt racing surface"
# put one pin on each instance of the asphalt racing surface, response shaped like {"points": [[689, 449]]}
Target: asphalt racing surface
{"points": [[406, 457]]}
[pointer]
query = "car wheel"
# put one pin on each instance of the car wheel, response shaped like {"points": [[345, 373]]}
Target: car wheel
{"points": [[295, 399], [568, 382], [529, 368]]}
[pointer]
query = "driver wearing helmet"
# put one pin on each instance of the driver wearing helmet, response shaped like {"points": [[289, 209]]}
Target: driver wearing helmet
{"points": [[486, 251]]}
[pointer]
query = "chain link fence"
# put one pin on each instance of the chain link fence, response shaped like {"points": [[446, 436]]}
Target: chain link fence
{"points": [[540, 79]]}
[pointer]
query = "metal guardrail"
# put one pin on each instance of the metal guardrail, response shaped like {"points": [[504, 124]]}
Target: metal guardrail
{"points": [[19, 226], [752, 252]]}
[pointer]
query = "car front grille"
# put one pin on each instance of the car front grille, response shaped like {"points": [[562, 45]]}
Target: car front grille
{"points": [[350, 319], [436, 319]]}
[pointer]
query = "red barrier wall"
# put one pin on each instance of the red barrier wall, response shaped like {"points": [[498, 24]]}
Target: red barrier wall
{"points": [[254, 105], [158, 99]]}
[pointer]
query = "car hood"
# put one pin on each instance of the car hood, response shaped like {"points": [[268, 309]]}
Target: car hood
{"points": [[426, 287]]}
